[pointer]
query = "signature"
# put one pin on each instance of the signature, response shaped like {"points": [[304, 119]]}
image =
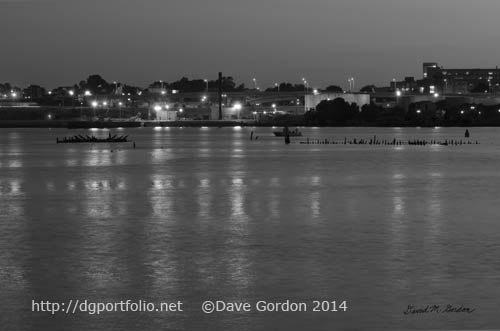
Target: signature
{"points": [[437, 309]]}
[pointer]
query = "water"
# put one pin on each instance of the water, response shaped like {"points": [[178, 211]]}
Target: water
{"points": [[197, 214]]}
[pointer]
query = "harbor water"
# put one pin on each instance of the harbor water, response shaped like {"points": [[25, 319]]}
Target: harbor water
{"points": [[196, 214]]}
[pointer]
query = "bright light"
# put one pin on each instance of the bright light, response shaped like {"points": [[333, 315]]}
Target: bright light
{"points": [[175, 91], [237, 106], [398, 93], [436, 95], [255, 113], [72, 93], [14, 94], [87, 93], [49, 116], [166, 107], [265, 112], [50, 92], [462, 112], [94, 104], [120, 104], [419, 111], [315, 92], [163, 92], [274, 105], [157, 108], [105, 103], [181, 110]]}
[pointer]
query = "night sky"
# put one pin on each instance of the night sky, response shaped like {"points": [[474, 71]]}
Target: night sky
{"points": [[60, 42]]}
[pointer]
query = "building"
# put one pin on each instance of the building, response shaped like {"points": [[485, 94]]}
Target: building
{"points": [[457, 81], [166, 115]]}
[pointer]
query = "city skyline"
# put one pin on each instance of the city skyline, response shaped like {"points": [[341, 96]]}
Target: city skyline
{"points": [[50, 42]]}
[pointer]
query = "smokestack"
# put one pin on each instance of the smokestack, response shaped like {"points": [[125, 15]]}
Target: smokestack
{"points": [[220, 95]]}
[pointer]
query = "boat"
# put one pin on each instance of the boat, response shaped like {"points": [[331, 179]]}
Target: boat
{"points": [[295, 133], [92, 139]]}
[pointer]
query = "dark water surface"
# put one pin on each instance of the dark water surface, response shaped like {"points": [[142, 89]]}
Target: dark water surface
{"points": [[206, 214]]}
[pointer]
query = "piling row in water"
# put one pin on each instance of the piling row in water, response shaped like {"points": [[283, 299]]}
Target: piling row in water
{"points": [[386, 142]]}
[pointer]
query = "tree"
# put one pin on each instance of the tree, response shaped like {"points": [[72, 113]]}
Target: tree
{"points": [[368, 89], [336, 112], [97, 85], [334, 89]]}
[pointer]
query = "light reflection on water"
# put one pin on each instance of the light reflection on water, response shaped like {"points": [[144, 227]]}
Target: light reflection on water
{"points": [[205, 213]]}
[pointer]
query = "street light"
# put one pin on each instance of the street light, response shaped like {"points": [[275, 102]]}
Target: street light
{"points": [[94, 106], [305, 93], [120, 104], [206, 81]]}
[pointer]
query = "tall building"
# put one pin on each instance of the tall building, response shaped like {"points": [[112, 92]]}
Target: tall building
{"points": [[471, 80]]}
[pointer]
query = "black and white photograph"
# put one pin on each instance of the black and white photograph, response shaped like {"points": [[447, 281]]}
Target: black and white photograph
{"points": [[249, 165]]}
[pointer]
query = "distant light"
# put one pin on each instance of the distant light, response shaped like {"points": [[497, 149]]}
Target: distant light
{"points": [[181, 110], [237, 106], [71, 93], [265, 112], [49, 116], [462, 112], [94, 104], [50, 92], [163, 92], [14, 94], [105, 103], [175, 91], [157, 108], [274, 105], [120, 103], [398, 93], [315, 92], [166, 107], [419, 111], [87, 93], [472, 107], [436, 95]]}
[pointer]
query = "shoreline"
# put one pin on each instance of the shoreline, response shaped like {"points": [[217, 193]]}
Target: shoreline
{"points": [[64, 124]]}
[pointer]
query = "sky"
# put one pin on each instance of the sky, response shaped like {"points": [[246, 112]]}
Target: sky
{"points": [[60, 42]]}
